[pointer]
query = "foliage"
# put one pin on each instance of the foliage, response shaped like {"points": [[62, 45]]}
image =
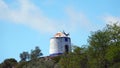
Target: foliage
{"points": [[56, 58], [21, 64], [104, 49], [76, 59], [39, 63], [9, 63], [24, 56], [35, 53]]}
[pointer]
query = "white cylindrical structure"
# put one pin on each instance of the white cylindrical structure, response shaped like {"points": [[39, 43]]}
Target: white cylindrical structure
{"points": [[60, 44]]}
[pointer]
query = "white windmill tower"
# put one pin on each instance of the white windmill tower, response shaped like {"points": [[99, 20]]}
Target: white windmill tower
{"points": [[60, 44]]}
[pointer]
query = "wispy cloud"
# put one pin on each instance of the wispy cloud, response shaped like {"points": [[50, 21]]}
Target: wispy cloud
{"points": [[79, 19], [109, 19], [27, 13]]}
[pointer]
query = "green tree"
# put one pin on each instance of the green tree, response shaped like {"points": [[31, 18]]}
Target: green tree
{"points": [[24, 56], [35, 53], [113, 52], [76, 59], [99, 42], [104, 46], [21, 64], [80, 54], [9, 63], [0, 65]]}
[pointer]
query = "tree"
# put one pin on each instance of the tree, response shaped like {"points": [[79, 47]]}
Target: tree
{"points": [[80, 53], [21, 64], [35, 53], [24, 56], [76, 59], [104, 46], [113, 52], [99, 42], [9, 63], [0, 65]]}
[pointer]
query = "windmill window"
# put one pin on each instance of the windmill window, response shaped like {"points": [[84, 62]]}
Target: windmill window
{"points": [[66, 40]]}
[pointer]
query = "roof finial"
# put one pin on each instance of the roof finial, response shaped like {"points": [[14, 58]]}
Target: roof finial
{"points": [[67, 34]]}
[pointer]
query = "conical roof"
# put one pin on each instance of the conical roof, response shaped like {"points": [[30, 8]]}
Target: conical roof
{"points": [[61, 34]]}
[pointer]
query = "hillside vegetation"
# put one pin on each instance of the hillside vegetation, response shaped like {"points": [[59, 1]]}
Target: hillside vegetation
{"points": [[102, 51]]}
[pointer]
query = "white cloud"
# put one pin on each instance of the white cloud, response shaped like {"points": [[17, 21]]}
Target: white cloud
{"points": [[79, 20], [109, 19], [27, 13]]}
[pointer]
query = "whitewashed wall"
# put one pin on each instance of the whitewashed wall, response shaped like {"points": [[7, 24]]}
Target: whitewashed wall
{"points": [[57, 45]]}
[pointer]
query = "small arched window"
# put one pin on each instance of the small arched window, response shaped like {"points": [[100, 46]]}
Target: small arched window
{"points": [[66, 39]]}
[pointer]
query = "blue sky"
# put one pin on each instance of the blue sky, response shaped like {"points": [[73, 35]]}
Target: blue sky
{"points": [[25, 24]]}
